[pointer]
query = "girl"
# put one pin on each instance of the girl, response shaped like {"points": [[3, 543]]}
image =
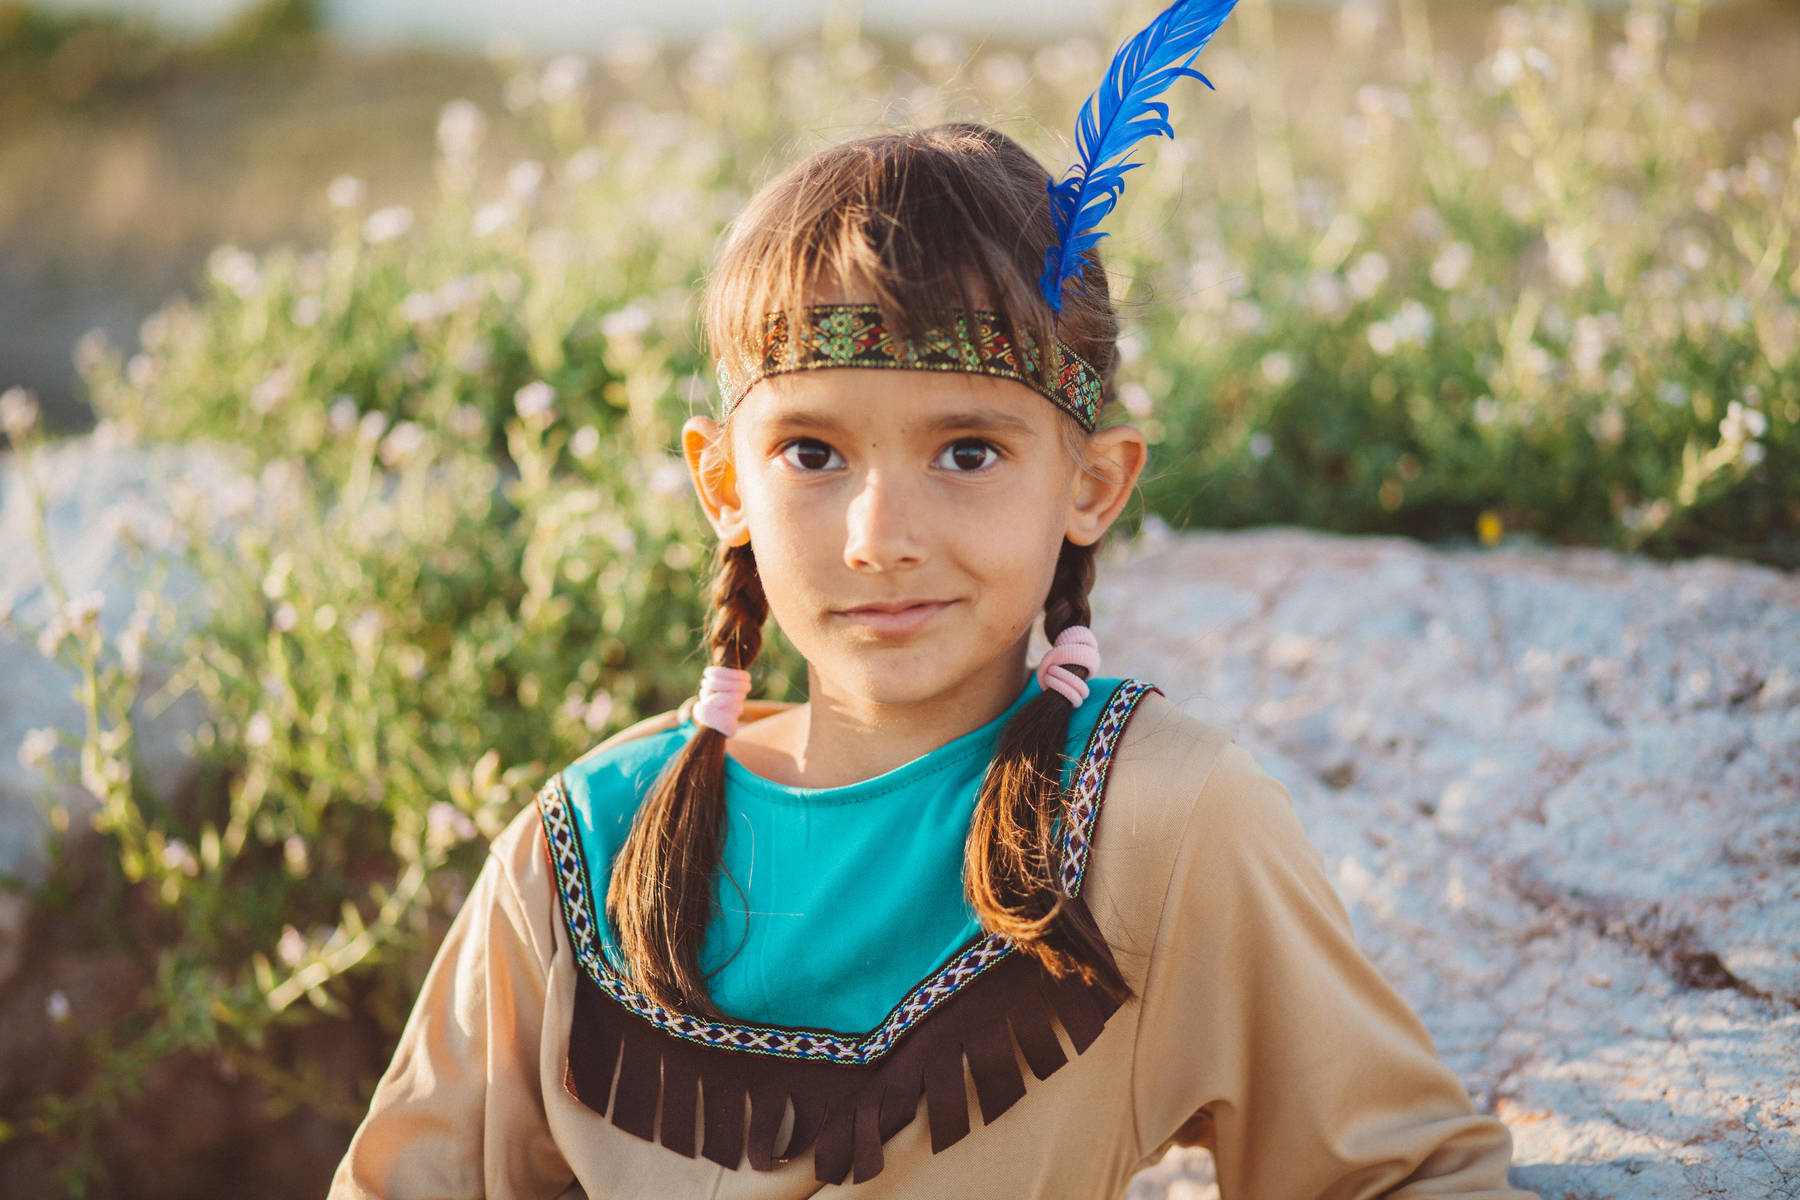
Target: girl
{"points": [[954, 926]]}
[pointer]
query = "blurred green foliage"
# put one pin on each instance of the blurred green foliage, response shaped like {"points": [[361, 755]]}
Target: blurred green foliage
{"points": [[60, 58], [1531, 294]]}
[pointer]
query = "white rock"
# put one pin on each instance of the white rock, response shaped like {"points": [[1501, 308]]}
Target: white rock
{"points": [[1559, 792]]}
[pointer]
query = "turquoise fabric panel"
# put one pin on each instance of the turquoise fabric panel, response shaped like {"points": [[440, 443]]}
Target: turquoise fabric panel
{"points": [[834, 902]]}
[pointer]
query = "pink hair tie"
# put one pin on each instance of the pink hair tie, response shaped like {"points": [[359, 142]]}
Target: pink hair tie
{"points": [[722, 692], [1075, 647]]}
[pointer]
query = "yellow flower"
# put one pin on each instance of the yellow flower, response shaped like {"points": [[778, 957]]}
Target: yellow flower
{"points": [[1489, 527]]}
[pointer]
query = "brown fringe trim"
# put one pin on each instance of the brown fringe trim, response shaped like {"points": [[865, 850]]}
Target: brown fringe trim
{"points": [[650, 1082]]}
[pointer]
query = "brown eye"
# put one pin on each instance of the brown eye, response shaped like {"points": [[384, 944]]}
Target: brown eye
{"points": [[968, 455], [807, 454]]}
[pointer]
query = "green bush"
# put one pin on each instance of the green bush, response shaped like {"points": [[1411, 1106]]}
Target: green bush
{"points": [[1532, 297]]}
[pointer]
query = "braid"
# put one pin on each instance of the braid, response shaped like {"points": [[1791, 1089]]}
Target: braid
{"points": [[1067, 603], [660, 897], [739, 608], [1012, 862]]}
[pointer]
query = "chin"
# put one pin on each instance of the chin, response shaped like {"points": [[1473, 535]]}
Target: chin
{"points": [[896, 682]]}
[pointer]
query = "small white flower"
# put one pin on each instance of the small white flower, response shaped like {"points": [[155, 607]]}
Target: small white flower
{"points": [[1413, 324], [387, 224], [629, 322], [1136, 399], [525, 179], [1751, 454], [1672, 393], [563, 79], [1004, 73], [1246, 316], [275, 388], [583, 166], [632, 49], [1358, 21], [177, 857], [1505, 68], [294, 855], [1278, 368], [340, 418], [1382, 338], [1367, 274], [1327, 297], [1568, 257], [324, 618], [1450, 269], [56, 1007], [937, 51], [36, 747], [365, 630], [346, 191], [18, 412], [474, 358], [306, 311], [1487, 410], [235, 269], [1742, 424], [402, 444], [460, 292], [1261, 445], [492, 217], [259, 730], [586, 442], [444, 820], [535, 400], [599, 711], [459, 129], [1589, 345], [371, 426], [467, 421], [291, 947], [669, 477], [284, 618], [418, 308]]}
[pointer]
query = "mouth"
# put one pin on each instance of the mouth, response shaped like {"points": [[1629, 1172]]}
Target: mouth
{"points": [[900, 617]]}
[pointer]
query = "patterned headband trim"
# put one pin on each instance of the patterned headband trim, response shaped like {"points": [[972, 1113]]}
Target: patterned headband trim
{"points": [[852, 335]]}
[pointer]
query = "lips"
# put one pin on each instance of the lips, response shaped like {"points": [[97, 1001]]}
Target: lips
{"points": [[895, 617]]}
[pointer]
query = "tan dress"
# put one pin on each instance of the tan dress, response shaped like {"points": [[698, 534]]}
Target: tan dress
{"points": [[1259, 1031]]}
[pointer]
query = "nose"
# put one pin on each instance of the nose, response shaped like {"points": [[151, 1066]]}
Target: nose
{"points": [[878, 535]]}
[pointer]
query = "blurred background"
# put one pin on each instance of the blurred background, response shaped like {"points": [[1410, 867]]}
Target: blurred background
{"points": [[343, 345]]}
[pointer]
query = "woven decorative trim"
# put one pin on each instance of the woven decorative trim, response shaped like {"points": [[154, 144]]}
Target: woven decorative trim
{"points": [[849, 1093], [580, 914], [852, 335]]}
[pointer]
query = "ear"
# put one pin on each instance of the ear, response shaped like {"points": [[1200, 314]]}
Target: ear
{"points": [[709, 465], [1115, 459]]}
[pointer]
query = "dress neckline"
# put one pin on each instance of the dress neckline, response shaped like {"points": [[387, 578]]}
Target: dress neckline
{"points": [[978, 741]]}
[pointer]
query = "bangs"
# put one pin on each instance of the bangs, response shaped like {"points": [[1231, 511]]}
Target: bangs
{"points": [[919, 224]]}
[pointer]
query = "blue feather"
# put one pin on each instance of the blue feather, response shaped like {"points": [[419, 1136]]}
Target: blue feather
{"points": [[1123, 111]]}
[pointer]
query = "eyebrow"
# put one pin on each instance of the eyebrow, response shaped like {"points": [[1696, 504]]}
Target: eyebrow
{"points": [[979, 419]]}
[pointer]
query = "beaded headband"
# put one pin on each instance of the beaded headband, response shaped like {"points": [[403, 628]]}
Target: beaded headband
{"points": [[852, 335]]}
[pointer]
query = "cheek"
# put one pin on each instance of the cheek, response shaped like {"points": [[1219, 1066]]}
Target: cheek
{"points": [[794, 543]]}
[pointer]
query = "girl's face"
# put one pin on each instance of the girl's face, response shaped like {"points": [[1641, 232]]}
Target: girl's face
{"points": [[943, 498]]}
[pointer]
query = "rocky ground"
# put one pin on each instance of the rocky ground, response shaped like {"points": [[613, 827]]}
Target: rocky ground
{"points": [[1559, 791]]}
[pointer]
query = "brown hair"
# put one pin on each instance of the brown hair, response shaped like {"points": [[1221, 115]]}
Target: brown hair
{"points": [[919, 223]]}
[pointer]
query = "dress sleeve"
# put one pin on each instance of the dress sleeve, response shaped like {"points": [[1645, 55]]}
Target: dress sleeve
{"points": [[1267, 1037], [460, 1111]]}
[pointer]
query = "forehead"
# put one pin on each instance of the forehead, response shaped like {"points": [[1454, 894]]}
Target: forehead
{"points": [[894, 401]]}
